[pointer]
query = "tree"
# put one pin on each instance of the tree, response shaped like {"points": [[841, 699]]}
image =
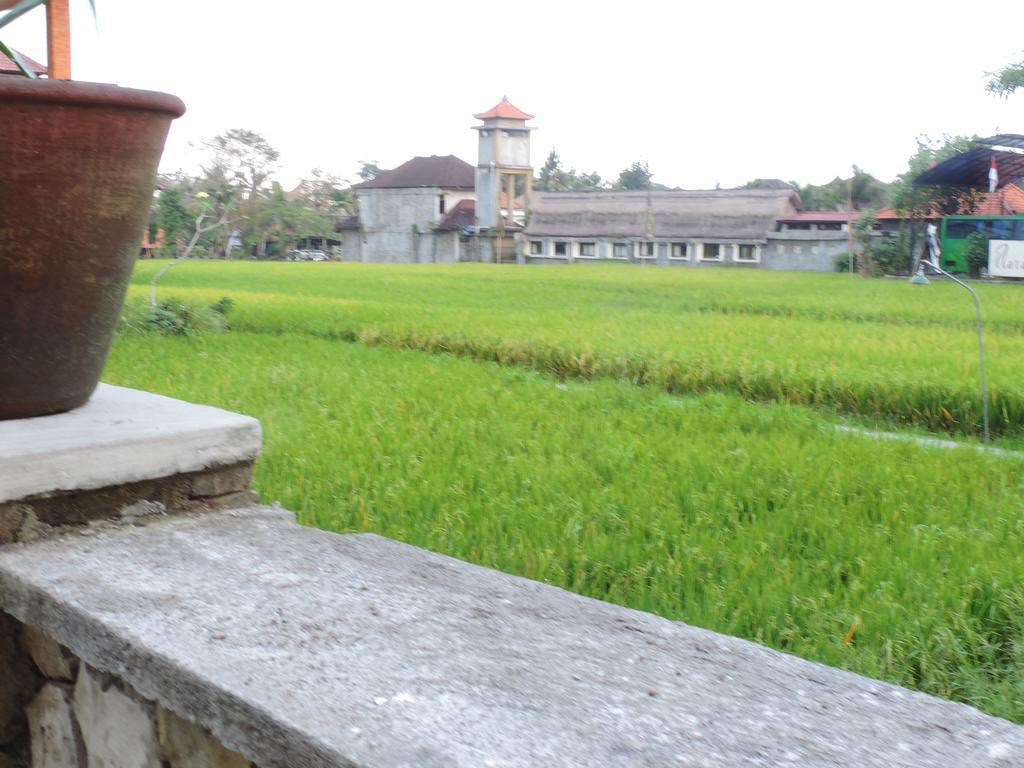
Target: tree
{"points": [[173, 218], [863, 231], [861, 188], [275, 221], [919, 201], [770, 184], [1006, 80], [636, 176], [554, 178], [243, 160], [326, 193], [369, 170], [865, 191], [199, 229], [551, 173]]}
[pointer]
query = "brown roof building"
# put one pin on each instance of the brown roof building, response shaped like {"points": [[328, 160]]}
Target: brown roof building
{"points": [[687, 226], [727, 213], [442, 172], [400, 211]]}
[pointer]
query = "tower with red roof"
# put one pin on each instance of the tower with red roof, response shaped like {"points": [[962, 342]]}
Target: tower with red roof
{"points": [[503, 163]]}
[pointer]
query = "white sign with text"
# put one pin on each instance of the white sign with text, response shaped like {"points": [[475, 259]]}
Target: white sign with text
{"points": [[1006, 258]]}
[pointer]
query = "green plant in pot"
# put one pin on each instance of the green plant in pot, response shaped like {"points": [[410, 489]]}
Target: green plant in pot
{"points": [[78, 165]]}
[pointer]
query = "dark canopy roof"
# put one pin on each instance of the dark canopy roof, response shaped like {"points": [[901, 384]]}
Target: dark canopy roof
{"points": [[970, 168]]}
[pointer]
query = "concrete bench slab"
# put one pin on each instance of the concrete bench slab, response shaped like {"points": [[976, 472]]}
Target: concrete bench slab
{"points": [[120, 436]]}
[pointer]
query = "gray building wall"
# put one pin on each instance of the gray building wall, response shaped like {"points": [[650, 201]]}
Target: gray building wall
{"points": [[804, 250], [398, 224], [604, 249], [351, 245], [487, 196]]}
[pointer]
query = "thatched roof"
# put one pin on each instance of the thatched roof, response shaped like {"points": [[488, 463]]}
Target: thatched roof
{"points": [[737, 214]]}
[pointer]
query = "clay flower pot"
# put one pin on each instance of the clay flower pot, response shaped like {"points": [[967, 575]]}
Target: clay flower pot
{"points": [[77, 169]]}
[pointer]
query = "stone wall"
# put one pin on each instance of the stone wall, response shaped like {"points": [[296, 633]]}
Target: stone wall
{"points": [[57, 712], [124, 459], [49, 513]]}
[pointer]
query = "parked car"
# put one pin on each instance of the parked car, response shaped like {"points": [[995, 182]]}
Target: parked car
{"points": [[306, 256]]}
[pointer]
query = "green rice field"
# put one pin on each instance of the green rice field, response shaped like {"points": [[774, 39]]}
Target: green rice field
{"points": [[663, 439], [879, 349]]}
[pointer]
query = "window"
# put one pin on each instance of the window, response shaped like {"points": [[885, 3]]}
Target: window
{"points": [[746, 253], [536, 247], [561, 248], [440, 205], [1002, 230], [588, 250], [645, 249], [620, 251], [712, 252], [678, 251], [959, 230]]}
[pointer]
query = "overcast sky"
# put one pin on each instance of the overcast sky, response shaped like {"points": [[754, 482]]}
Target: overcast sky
{"points": [[705, 93]]}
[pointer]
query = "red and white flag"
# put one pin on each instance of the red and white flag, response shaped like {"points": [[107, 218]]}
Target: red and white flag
{"points": [[993, 176]]}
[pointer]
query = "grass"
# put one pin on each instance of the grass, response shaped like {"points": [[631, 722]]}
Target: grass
{"points": [[528, 447], [878, 349], [897, 561]]}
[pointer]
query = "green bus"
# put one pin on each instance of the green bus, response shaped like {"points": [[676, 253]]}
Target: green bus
{"points": [[955, 229]]}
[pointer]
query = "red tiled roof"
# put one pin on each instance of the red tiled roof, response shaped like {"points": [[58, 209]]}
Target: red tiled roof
{"points": [[1007, 201], [503, 202], [820, 217], [504, 109], [844, 217], [462, 215], [8, 67], [448, 172]]}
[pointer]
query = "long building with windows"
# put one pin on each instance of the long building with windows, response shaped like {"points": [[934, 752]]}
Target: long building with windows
{"points": [[686, 227]]}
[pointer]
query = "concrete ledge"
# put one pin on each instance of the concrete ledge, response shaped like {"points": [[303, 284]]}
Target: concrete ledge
{"points": [[301, 648], [120, 436]]}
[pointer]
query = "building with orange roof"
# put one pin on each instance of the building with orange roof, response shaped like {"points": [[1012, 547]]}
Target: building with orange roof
{"points": [[1007, 201], [9, 67], [441, 208]]}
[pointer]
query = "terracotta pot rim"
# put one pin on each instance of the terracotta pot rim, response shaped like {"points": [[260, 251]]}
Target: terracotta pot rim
{"points": [[24, 89]]}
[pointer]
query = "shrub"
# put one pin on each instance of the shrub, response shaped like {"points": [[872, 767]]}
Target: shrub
{"points": [[976, 253], [891, 258], [223, 305], [842, 261], [174, 317]]}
